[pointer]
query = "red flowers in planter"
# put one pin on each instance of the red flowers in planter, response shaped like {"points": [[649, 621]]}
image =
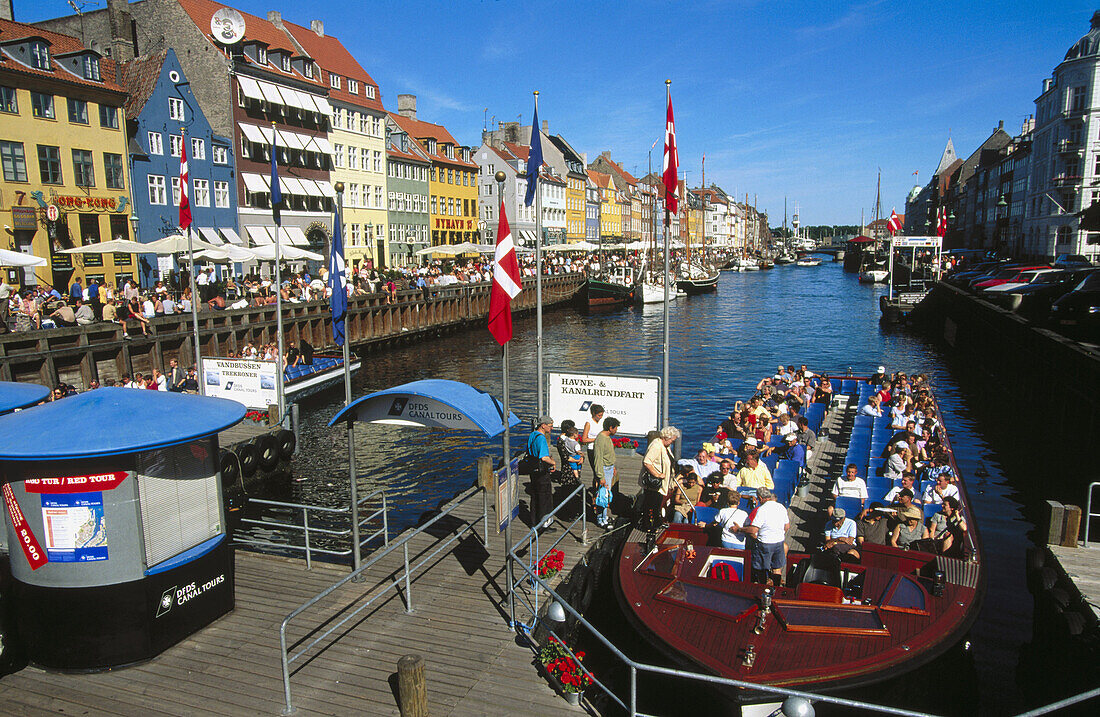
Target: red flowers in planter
{"points": [[551, 564], [257, 416], [623, 442]]}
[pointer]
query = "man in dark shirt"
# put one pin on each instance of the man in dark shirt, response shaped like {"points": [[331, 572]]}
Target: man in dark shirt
{"points": [[306, 349], [872, 527]]}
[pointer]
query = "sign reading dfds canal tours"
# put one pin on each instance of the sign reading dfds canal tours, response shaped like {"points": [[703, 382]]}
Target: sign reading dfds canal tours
{"points": [[634, 400]]}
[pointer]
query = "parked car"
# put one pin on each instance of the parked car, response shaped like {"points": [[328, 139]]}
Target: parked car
{"points": [[1071, 261], [1033, 300], [963, 278], [1001, 275], [1022, 278], [1077, 314]]}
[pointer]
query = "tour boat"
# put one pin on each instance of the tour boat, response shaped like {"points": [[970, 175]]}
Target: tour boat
{"points": [[785, 257], [876, 274], [307, 379], [618, 289], [808, 261], [830, 626]]}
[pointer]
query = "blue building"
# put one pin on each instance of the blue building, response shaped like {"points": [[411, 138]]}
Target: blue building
{"points": [[161, 114]]}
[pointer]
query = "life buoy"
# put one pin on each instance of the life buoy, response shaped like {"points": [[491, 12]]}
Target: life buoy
{"points": [[249, 458], [287, 443], [268, 450], [229, 467]]}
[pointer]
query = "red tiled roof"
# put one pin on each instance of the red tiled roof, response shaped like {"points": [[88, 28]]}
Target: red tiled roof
{"points": [[522, 151], [59, 45], [256, 29], [617, 168], [333, 57], [602, 180], [420, 130], [139, 77]]}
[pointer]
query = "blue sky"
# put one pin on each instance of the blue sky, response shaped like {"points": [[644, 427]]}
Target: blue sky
{"points": [[799, 99]]}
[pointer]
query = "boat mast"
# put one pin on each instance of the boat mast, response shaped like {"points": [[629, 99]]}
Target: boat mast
{"points": [[703, 229], [878, 204]]}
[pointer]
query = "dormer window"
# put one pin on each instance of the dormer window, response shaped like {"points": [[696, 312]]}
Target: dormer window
{"points": [[353, 86], [91, 68], [334, 80], [285, 62], [261, 55], [40, 55], [370, 91], [431, 146], [309, 69]]}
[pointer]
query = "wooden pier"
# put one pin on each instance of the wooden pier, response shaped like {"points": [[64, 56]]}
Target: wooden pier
{"points": [[475, 665], [98, 352]]}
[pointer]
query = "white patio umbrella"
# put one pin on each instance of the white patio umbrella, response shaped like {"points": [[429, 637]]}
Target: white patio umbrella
{"points": [[228, 252], [18, 258], [286, 253], [174, 244], [636, 245], [115, 246]]}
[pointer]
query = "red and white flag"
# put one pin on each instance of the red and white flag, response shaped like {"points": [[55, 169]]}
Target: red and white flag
{"points": [[941, 225], [894, 225], [185, 203], [670, 174], [506, 283]]}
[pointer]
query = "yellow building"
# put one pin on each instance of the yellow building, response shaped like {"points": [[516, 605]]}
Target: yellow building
{"points": [[452, 178], [574, 207], [611, 219], [63, 149]]}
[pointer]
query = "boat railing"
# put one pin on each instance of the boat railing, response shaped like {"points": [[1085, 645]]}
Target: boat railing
{"points": [[400, 581], [1089, 514], [307, 529]]}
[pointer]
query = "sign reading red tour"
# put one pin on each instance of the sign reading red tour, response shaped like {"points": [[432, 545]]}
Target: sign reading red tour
{"points": [[75, 484]]}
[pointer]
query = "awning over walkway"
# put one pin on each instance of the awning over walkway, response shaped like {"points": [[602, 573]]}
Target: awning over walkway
{"points": [[434, 403]]}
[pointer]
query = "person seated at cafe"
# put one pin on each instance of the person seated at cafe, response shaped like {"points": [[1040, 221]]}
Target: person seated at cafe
{"points": [[910, 528], [840, 536], [64, 315], [873, 527], [85, 316]]}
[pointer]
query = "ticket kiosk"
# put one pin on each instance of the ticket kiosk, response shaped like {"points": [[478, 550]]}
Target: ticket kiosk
{"points": [[115, 524]]}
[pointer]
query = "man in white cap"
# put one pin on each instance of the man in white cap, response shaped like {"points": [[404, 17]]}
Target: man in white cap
{"points": [[879, 377], [840, 535]]}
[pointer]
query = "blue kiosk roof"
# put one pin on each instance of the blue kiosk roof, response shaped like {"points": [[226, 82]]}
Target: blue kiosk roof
{"points": [[113, 421], [20, 395], [434, 403]]}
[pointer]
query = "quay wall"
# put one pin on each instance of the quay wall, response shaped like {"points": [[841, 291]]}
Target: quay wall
{"points": [[98, 352]]}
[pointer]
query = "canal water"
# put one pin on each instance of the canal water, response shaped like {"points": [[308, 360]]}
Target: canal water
{"points": [[722, 344]]}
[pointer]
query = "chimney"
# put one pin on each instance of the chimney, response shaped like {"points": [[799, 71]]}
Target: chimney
{"points": [[546, 127], [406, 106], [275, 18], [122, 43], [1001, 125], [318, 26]]}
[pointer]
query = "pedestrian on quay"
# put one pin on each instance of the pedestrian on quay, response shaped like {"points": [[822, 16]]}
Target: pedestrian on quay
{"points": [[538, 446], [657, 469], [588, 440], [604, 456]]}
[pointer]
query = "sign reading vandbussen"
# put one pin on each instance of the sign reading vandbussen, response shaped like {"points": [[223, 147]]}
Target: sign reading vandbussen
{"points": [[249, 382], [634, 400]]}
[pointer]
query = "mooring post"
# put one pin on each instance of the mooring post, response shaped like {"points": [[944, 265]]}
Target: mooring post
{"points": [[412, 690]]}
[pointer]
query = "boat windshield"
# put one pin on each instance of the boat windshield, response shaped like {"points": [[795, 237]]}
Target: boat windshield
{"points": [[835, 619], [662, 561], [706, 598]]}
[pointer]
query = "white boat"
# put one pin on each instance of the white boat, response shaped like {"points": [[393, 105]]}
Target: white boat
{"points": [[653, 291], [873, 275], [808, 261]]}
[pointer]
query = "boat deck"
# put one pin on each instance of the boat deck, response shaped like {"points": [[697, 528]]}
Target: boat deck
{"points": [[474, 663]]}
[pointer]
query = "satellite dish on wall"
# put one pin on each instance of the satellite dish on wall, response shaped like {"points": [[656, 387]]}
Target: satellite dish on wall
{"points": [[227, 26]]}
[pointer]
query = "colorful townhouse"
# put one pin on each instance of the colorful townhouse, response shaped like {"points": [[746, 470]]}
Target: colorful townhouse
{"points": [[407, 187], [63, 149]]}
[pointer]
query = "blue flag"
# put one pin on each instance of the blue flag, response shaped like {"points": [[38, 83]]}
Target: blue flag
{"points": [[276, 192], [337, 283], [534, 159]]}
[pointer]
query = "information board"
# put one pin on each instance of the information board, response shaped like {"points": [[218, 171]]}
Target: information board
{"points": [[74, 528], [507, 494], [249, 382], [634, 400]]}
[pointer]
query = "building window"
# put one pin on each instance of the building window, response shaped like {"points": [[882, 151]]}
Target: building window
{"points": [[433, 204], [369, 89], [14, 161], [351, 120], [40, 56], [108, 117], [309, 69], [285, 62], [378, 197], [221, 194], [334, 80], [338, 155], [202, 193], [156, 189], [49, 164], [175, 109], [156, 143], [353, 86], [175, 191], [83, 170], [91, 68], [261, 55], [353, 158], [175, 145], [112, 170], [1076, 99], [8, 102], [198, 148], [220, 154], [365, 158], [353, 195], [42, 105], [354, 234], [377, 160]]}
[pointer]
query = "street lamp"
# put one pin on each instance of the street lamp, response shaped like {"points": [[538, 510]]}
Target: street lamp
{"points": [[368, 237]]}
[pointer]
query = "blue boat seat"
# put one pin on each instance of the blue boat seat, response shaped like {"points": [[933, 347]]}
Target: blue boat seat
{"points": [[851, 506], [704, 514]]}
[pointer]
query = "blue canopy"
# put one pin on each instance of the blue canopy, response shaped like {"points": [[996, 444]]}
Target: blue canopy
{"points": [[20, 395], [432, 402], [113, 421]]}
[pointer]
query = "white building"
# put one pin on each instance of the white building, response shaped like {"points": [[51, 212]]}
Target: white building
{"points": [[1065, 154]]}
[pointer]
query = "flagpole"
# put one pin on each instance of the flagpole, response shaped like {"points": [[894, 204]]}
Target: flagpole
{"points": [[538, 266], [279, 375], [185, 178], [506, 510], [668, 230], [353, 480]]}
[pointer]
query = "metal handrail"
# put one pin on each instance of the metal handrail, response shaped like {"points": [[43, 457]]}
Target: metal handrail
{"points": [[382, 512], [1089, 515], [404, 577]]}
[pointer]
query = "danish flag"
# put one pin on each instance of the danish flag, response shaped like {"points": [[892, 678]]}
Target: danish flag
{"points": [[894, 224], [670, 175], [185, 203], [506, 282]]}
